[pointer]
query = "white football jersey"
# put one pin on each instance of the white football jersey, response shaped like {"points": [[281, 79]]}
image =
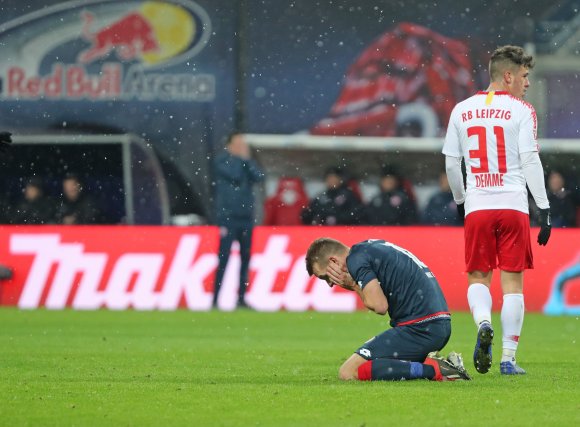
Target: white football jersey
{"points": [[490, 130]]}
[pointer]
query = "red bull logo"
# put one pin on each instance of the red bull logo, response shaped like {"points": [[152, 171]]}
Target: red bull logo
{"points": [[130, 36], [120, 44]]}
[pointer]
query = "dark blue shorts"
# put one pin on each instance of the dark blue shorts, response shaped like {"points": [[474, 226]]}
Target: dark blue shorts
{"points": [[412, 343]]}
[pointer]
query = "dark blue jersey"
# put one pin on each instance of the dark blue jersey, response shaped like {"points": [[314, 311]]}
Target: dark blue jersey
{"points": [[411, 289]]}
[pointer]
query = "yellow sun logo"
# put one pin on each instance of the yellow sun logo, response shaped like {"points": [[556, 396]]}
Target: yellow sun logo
{"points": [[174, 30]]}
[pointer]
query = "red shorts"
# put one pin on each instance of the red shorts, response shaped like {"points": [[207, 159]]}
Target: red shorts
{"points": [[498, 238]]}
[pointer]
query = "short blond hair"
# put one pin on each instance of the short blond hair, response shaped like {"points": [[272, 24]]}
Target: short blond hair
{"points": [[320, 250]]}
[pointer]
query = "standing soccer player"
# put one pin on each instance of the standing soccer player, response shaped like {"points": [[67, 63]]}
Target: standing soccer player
{"points": [[391, 279], [495, 131]]}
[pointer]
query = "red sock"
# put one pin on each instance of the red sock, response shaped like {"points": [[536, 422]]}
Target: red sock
{"points": [[364, 371]]}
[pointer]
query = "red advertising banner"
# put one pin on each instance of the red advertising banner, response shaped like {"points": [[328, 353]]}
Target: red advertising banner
{"points": [[165, 268], [91, 267]]}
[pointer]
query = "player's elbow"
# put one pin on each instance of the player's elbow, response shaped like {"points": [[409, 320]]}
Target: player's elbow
{"points": [[381, 309]]}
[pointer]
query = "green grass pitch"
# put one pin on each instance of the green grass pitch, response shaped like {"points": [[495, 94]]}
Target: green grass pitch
{"points": [[263, 369]]}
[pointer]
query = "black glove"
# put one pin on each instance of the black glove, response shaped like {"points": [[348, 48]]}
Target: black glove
{"points": [[545, 226], [461, 212], [5, 139]]}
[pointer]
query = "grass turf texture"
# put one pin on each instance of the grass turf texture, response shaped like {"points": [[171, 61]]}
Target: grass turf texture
{"points": [[270, 369]]}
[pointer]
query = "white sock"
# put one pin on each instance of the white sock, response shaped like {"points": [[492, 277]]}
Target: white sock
{"points": [[479, 299], [512, 319]]}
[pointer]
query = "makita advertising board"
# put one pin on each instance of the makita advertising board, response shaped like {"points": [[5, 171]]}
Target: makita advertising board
{"points": [[167, 268]]}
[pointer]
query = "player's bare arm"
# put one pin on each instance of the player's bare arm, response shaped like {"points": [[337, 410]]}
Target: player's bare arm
{"points": [[374, 298]]}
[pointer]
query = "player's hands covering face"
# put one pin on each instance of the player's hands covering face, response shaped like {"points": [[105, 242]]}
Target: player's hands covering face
{"points": [[338, 275], [335, 273]]}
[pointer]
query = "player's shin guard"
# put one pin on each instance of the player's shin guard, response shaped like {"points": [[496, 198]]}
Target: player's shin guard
{"points": [[479, 299], [512, 320]]}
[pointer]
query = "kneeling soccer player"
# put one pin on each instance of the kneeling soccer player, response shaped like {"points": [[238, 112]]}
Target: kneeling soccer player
{"points": [[391, 279]]}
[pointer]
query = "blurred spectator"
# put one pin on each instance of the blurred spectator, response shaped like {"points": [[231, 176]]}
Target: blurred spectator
{"points": [[562, 203], [76, 206], [392, 206], [235, 176], [337, 205], [286, 205], [36, 207], [354, 185], [441, 208]]}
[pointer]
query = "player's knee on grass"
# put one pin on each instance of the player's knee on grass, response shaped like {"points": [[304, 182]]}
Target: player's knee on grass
{"points": [[348, 371], [347, 374]]}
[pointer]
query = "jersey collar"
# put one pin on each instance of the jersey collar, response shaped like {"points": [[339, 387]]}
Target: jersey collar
{"points": [[497, 92]]}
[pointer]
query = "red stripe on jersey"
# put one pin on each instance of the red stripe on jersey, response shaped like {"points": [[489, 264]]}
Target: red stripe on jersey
{"points": [[443, 314]]}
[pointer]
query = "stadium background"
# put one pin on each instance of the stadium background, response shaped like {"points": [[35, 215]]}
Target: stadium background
{"points": [[274, 72]]}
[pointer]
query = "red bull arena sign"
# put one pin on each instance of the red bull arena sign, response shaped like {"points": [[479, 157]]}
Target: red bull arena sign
{"points": [[106, 50]]}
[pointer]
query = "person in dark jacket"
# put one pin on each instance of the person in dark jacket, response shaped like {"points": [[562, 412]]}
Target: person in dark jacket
{"points": [[36, 207], [562, 203], [235, 175], [441, 208], [76, 206], [392, 206], [337, 205]]}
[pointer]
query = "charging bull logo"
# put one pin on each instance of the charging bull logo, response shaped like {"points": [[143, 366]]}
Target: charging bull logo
{"points": [[130, 36], [152, 33], [125, 39]]}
